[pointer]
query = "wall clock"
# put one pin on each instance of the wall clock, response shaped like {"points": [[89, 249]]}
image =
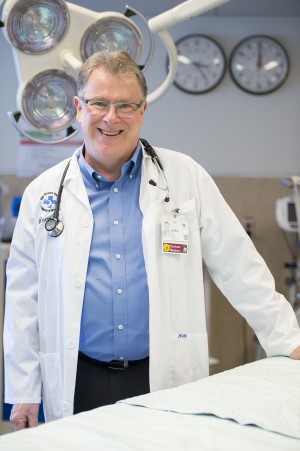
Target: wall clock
{"points": [[259, 64], [201, 64]]}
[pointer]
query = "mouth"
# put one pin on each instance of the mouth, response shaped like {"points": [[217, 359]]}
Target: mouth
{"points": [[110, 132]]}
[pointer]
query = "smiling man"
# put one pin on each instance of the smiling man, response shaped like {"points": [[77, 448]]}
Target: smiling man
{"points": [[102, 304], [110, 108]]}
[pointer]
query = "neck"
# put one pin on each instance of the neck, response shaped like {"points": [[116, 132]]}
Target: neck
{"points": [[111, 169]]}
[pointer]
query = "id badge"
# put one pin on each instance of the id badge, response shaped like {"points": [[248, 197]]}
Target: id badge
{"points": [[175, 234]]}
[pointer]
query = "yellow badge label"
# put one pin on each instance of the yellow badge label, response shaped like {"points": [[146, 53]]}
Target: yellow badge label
{"points": [[167, 247]]}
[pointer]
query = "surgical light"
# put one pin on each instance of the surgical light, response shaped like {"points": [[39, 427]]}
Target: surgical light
{"points": [[35, 26], [50, 40], [47, 101], [112, 33]]}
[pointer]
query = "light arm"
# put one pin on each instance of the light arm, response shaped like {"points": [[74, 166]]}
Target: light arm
{"points": [[182, 12]]}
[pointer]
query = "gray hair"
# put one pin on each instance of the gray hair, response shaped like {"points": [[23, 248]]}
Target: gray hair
{"points": [[115, 63]]}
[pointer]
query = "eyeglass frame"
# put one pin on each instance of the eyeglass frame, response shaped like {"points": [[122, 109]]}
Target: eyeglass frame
{"points": [[108, 103]]}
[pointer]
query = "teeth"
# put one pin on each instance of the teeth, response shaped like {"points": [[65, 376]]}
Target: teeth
{"points": [[110, 133]]}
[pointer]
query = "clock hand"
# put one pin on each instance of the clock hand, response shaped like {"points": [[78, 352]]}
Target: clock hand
{"points": [[202, 72], [271, 65], [259, 56], [185, 60]]}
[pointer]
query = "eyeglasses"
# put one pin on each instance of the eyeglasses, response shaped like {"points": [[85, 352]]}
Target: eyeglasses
{"points": [[122, 108]]}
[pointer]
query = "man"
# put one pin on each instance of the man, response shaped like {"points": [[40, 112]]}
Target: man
{"points": [[97, 289]]}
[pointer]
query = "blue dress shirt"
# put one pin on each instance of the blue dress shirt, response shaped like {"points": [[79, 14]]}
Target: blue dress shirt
{"points": [[115, 315]]}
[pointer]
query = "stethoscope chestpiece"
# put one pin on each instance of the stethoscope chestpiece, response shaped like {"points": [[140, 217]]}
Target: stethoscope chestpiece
{"points": [[54, 226]]}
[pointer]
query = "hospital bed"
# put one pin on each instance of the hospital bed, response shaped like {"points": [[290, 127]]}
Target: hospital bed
{"points": [[252, 407]]}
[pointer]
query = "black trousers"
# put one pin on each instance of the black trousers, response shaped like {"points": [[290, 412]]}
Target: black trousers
{"points": [[97, 386]]}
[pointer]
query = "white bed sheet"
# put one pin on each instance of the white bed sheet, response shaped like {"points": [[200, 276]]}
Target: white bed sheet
{"points": [[265, 393], [128, 426]]}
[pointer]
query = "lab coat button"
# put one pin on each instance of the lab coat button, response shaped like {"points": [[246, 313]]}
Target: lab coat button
{"points": [[77, 283], [65, 405], [86, 223], [71, 345]]}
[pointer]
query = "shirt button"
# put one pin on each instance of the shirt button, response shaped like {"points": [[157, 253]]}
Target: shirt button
{"points": [[116, 222], [118, 256], [120, 326], [119, 291], [116, 190]]}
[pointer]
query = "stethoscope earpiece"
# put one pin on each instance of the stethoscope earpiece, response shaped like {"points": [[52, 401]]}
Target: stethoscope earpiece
{"points": [[153, 183]]}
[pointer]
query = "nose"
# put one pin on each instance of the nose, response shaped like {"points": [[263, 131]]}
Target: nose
{"points": [[111, 114]]}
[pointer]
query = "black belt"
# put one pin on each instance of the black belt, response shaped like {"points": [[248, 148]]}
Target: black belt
{"points": [[113, 364]]}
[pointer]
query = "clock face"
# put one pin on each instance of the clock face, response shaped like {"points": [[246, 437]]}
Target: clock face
{"points": [[259, 65], [201, 64]]}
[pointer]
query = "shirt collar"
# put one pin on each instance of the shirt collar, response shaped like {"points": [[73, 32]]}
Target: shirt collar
{"points": [[130, 167]]}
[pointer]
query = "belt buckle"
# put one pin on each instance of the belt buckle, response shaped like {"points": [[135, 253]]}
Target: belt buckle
{"points": [[119, 365]]}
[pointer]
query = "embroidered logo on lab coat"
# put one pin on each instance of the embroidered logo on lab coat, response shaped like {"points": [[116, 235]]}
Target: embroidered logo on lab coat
{"points": [[48, 201]]}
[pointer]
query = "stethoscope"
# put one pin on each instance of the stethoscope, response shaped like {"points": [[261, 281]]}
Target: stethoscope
{"points": [[151, 152], [55, 226]]}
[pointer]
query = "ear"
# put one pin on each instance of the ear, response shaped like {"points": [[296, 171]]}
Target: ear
{"points": [[78, 106], [143, 109]]}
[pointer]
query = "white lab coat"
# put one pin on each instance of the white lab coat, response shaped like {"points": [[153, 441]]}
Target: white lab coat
{"points": [[46, 280]]}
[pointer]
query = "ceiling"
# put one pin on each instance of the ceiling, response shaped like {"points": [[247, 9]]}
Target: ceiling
{"points": [[151, 8]]}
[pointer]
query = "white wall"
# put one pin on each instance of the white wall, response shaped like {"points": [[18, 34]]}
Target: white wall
{"points": [[228, 131]]}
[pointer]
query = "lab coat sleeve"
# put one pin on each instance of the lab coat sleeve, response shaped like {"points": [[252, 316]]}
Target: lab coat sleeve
{"points": [[21, 337], [242, 275]]}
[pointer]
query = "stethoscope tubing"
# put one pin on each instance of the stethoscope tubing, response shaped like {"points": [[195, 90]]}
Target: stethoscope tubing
{"points": [[54, 225]]}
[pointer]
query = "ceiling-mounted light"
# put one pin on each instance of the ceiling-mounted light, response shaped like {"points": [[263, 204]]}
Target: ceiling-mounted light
{"points": [[35, 26], [112, 33], [50, 40], [54, 37], [46, 101]]}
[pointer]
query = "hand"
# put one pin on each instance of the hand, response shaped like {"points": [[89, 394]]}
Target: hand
{"points": [[295, 354], [24, 416]]}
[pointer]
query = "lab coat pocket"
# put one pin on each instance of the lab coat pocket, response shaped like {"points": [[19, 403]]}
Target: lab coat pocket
{"points": [[188, 356], [52, 385]]}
